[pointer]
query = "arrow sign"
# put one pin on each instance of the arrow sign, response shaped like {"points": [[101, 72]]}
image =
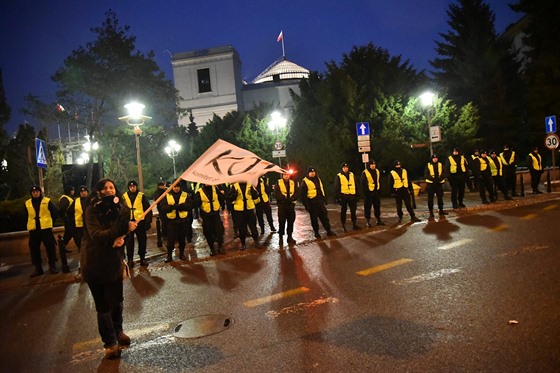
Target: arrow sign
{"points": [[362, 128], [41, 153], [550, 124]]}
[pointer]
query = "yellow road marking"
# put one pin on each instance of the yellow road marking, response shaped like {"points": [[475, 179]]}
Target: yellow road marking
{"points": [[550, 207], [529, 216], [273, 297], [499, 228], [382, 267]]}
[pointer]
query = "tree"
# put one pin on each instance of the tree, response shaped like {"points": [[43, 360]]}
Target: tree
{"points": [[473, 66], [5, 111]]}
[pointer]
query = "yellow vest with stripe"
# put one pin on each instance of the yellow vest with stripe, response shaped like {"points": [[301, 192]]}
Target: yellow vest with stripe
{"points": [[371, 185], [397, 181], [347, 185], [506, 161], [432, 172], [284, 190], [483, 164], [45, 218], [453, 164], [137, 206], [205, 206], [263, 193], [537, 162], [78, 213], [494, 167], [70, 199], [171, 201], [311, 189], [238, 203]]}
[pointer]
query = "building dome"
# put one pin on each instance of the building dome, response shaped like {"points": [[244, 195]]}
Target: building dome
{"points": [[281, 69]]}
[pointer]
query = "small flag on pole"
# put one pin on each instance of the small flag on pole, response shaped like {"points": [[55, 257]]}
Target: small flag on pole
{"points": [[59, 108], [280, 37]]}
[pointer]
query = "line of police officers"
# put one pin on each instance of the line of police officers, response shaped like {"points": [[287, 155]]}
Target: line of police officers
{"points": [[250, 205]]}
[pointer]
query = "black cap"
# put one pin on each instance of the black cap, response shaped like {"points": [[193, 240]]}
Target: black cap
{"points": [[434, 156], [506, 147], [371, 162], [132, 182], [456, 150], [34, 187], [311, 169], [483, 152], [344, 164], [168, 184], [82, 188], [535, 148], [397, 163], [161, 183], [492, 152], [68, 189]]}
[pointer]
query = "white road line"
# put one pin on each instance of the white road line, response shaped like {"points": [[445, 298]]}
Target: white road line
{"points": [[455, 244], [427, 276]]}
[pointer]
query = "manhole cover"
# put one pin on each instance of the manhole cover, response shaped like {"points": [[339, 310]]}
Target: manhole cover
{"points": [[202, 325]]}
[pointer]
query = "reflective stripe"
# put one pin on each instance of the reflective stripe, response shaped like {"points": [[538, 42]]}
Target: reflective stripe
{"points": [[45, 218]]}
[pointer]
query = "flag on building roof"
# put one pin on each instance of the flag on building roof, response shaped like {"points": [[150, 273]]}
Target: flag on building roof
{"points": [[280, 36], [59, 108]]}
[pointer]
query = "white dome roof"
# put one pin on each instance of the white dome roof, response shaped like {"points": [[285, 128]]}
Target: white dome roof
{"points": [[281, 70]]}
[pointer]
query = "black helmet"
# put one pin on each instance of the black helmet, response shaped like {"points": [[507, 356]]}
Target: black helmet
{"points": [[311, 169], [131, 183], [397, 163]]}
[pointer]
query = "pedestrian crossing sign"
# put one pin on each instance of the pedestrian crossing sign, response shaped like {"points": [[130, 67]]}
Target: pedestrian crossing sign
{"points": [[41, 153]]}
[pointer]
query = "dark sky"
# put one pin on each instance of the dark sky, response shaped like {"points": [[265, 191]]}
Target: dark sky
{"points": [[38, 35]]}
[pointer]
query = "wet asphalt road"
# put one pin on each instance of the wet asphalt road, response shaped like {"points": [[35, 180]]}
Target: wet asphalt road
{"points": [[436, 296]]}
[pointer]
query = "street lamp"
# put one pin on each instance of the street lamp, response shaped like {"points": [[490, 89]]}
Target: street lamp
{"points": [[427, 100], [136, 119], [172, 150], [275, 123]]}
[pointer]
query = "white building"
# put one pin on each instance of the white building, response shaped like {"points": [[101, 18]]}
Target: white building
{"points": [[210, 82]]}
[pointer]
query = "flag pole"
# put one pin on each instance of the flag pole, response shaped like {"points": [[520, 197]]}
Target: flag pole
{"points": [[283, 52]]}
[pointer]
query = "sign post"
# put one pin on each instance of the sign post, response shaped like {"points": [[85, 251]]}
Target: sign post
{"points": [[41, 158], [551, 140], [364, 144]]}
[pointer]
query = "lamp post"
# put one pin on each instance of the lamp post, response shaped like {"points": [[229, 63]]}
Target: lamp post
{"points": [[136, 119], [172, 150], [427, 100], [276, 123]]}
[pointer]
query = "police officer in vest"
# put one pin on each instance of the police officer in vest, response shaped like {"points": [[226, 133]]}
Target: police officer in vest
{"points": [[76, 214], [456, 169], [534, 162], [64, 203], [41, 213], [243, 196], [137, 203], [345, 194], [483, 176], [434, 184], [509, 161], [371, 190], [177, 207], [208, 199], [286, 194], [312, 195], [402, 187], [496, 168], [262, 204]]}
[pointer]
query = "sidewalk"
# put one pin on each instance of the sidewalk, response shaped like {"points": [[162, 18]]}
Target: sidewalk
{"points": [[15, 270]]}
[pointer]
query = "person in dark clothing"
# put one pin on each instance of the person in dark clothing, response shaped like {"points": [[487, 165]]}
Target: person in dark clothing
{"points": [[209, 200], [312, 195], [177, 207], [107, 222], [371, 191], [162, 217], [137, 202], [534, 162], [243, 196], [402, 187], [456, 168], [262, 204], [64, 203], [76, 214], [286, 194], [41, 213], [509, 161], [496, 169], [434, 184], [483, 176], [346, 195]]}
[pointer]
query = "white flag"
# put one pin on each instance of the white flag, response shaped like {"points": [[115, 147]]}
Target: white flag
{"points": [[226, 163]]}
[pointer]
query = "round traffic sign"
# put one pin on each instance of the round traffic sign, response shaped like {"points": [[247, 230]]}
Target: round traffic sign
{"points": [[551, 141], [278, 145]]}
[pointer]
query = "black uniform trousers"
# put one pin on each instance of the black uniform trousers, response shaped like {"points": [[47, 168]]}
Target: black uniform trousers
{"points": [[348, 201], [457, 182], [244, 219], [485, 184], [318, 211], [509, 179], [535, 179], [263, 208], [176, 232], [286, 214], [437, 189], [46, 237], [212, 228], [372, 199], [403, 195], [142, 238]]}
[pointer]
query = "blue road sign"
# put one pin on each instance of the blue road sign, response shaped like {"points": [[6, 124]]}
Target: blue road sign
{"points": [[41, 153], [362, 128], [550, 124]]}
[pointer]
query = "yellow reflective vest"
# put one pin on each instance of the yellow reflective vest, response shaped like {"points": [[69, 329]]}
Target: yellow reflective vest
{"points": [[347, 185], [137, 206], [508, 162], [262, 191], [238, 203], [78, 213], [453, 165], [397, 181], [311, 189], [171, 202], [537, 161], [45, 218], [433, 174], [496, 166], [370, 182], [215, 203], [284, 190]]}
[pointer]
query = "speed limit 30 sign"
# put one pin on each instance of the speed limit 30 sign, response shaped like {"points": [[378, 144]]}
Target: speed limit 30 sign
{"points": [[551, 141]]}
